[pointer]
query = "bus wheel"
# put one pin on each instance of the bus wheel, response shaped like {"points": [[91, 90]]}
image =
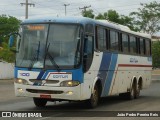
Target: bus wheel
{"points": [[39, 102], [132, 94], [137, 91], [93, 101]]}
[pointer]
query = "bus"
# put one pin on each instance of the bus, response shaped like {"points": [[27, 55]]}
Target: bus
{"points": [[80, 59]]}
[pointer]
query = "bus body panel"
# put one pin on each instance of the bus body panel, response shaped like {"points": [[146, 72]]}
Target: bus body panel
{"points": [[116, 72]]}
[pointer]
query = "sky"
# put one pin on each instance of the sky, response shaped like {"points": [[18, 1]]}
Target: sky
{"points": [[56, 7]]}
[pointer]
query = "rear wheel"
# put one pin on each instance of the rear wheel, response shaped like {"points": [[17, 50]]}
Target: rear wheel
{"points": [[93, 101], [138, 91], [39, 102], [129, 95], [132, 94]]}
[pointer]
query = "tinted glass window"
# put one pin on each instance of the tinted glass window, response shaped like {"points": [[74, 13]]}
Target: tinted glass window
{"points": [[125, 43], [142, 47], [101, 36], [89, 29], [133, 48], [147, 42], [113, 40]]}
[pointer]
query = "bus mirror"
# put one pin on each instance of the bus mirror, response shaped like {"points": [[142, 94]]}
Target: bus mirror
{"points": [[11, 40]]}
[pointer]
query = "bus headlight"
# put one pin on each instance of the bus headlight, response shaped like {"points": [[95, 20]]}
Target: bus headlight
{"points": [[21, 81], [69, 83]]}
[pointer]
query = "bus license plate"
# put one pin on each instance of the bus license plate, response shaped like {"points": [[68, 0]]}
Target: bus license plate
{"points": [[45, 96]]}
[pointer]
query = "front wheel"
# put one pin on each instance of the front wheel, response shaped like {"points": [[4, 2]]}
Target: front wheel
{"points": [[93, 101], [39, 102]]}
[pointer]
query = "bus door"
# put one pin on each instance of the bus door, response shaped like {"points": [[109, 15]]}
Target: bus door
{"points": [[88, 52]]}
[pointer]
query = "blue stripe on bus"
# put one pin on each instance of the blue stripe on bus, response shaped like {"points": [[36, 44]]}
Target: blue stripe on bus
{"points": [[105, 62], [15, 72], [109, 77], [40, 75], [45, 75], [106, 59]]}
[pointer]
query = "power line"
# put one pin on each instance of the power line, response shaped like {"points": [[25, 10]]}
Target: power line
{"points": [[85, 7], [27, 4], [75, 6]]}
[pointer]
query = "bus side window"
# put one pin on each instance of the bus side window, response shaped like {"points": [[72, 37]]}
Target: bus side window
{"points": [[142, 47], [138, 45], [125, 46], [133, 48], [147, 44], [114, 40], [88, 52], [101, 38]]}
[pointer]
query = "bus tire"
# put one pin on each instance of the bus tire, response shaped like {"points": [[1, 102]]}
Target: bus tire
{"points": [[138, 91], [132, 94], [39, 102], [93, 101]]}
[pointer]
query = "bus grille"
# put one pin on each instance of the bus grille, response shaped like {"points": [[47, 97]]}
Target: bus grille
{"points": [[44, 91], [46, 81]]}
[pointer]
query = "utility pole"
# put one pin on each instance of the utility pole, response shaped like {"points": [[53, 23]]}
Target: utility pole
{"points": [[65, 5], [27, 4], [85, 7]]}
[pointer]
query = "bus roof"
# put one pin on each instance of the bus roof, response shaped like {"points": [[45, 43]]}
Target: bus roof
{"points": [[84, 20], [122, 28]]}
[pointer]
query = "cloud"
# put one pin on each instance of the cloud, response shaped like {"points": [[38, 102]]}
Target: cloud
{"points": [[56, 7]]}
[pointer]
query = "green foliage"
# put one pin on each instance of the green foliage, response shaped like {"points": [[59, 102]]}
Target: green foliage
{"points": [[6, 54], [156, 54], [113, 16], [88, 13], [101, 16], [127, 21], [8, 25], [147, 18]]}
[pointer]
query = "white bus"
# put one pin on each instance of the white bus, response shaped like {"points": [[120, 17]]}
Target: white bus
{"points": [[76, 59]]}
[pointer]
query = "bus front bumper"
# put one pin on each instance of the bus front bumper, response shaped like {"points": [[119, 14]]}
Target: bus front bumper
{"points": [[59, 93]]}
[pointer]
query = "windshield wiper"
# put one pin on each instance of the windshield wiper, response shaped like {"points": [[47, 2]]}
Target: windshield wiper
{"points": [[33, 60], [52, 58], [35, 57], [38, 50]]}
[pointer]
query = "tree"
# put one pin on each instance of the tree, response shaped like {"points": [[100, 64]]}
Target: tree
{"points": [[113, 16], [102, 16], [88, 13], [110, 15], [147, 18], [127, 21], [8, 25]]}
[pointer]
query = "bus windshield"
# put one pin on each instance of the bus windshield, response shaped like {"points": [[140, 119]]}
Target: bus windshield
{"points": [[41, 44]]}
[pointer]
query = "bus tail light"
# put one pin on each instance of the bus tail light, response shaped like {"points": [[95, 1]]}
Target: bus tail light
{"points": [[69, 83]]}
